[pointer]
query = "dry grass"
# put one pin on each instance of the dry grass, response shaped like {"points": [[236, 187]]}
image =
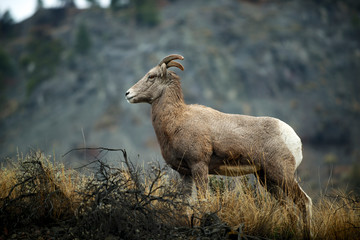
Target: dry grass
{"points": [[250, 210], [36, 189], [141, 204], [337, 217]]}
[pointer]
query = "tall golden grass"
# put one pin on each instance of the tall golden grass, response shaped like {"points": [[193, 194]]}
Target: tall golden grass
{"points": [[37, 180]]}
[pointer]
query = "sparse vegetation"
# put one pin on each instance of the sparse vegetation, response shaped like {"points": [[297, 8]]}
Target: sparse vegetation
{"points": [[39, 5], [6, 23], [146, 12], [67, 3], [42, 58], [83, 40], [116, 5], [127, 201], [93, 3], [7, 72], [354, 177]]}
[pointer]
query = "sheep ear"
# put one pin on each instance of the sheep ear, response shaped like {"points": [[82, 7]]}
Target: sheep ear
{"points": [[163, 70]]}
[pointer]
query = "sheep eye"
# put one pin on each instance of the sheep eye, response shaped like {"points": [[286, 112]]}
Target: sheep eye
{"points": [[151, 77]]}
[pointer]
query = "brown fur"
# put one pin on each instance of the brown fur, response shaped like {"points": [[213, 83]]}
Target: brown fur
{"points": [[193, 134], [196, 140]]}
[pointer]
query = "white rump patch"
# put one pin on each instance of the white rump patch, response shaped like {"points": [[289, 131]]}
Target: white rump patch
{"points": [[292, 141]]}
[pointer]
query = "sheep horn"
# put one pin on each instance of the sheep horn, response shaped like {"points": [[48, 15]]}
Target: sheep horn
{"points": [[175, 64], [169, 58]]}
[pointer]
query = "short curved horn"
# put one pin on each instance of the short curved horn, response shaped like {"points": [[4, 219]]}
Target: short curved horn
{"points": [[171, 57], [175, 64]]}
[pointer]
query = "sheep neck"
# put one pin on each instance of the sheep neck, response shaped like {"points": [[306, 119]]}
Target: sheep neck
{"points": [[167, 109]]}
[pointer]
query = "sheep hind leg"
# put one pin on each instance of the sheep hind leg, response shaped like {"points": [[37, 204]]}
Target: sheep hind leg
{"points": [[272, 187], [304, 203], [281, 189]]}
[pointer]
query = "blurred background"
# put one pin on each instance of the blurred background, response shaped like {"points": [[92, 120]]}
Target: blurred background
{"points": [[66, 64]]}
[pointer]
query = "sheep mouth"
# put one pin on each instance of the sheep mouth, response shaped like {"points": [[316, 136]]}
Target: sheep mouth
{"points": [[131, 99]]}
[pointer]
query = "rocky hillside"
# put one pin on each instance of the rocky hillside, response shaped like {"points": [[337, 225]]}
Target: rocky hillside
{"points": [[295, 60]]}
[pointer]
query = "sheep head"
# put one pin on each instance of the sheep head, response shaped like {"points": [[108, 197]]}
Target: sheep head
{"points": [[150, 87]]}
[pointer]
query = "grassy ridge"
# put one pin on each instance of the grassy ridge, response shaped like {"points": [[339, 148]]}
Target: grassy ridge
{"points": [[37, 193]]}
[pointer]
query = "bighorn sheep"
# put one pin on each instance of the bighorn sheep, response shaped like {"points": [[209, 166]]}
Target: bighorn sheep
{"points": [[196, 140]]}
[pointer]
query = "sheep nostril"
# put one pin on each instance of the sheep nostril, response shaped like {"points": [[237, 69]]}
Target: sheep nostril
{"points": [[127, 93]]}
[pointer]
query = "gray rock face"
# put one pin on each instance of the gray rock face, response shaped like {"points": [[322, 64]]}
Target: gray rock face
{"points": [[294, 60]]}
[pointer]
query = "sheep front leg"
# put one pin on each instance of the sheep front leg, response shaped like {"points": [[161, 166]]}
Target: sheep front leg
{"points": [[199, 172], [187, 185]]}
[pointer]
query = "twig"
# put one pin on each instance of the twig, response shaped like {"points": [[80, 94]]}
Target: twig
{"points": [[97, 148]]}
